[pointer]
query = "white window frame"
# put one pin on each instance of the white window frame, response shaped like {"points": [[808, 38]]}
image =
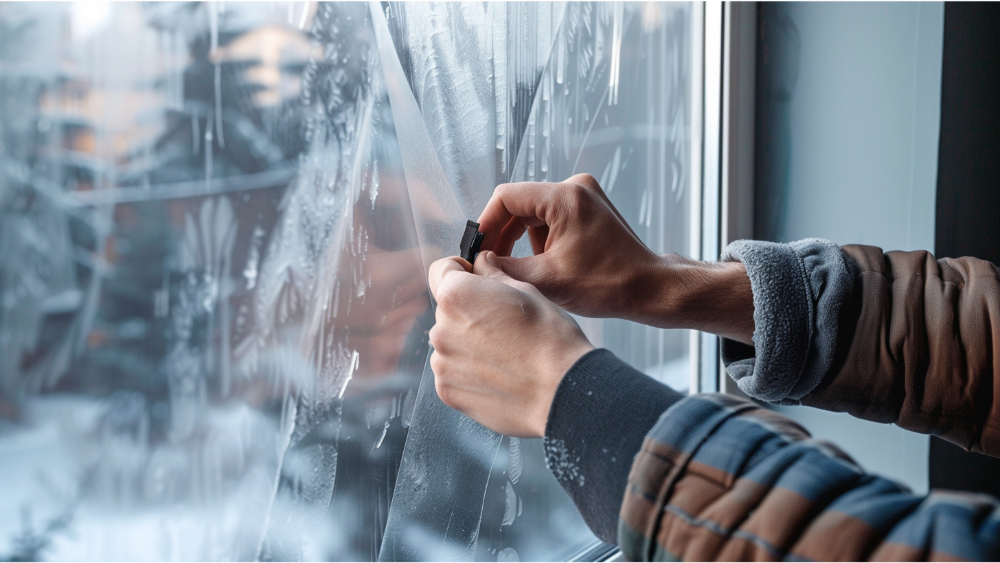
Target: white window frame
{"points": [[723, 94], [727, 157]]}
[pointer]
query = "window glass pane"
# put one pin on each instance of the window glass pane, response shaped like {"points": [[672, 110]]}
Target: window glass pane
{"points": [[215, 221], [604, 90]]}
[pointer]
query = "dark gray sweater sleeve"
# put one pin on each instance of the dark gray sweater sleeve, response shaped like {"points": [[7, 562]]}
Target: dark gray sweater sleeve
{"points": [[798, 291], [600, 415]]}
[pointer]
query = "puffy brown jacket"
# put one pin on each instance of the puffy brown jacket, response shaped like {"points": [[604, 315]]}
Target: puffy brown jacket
{"points": [[915, 343], [919, 346]]}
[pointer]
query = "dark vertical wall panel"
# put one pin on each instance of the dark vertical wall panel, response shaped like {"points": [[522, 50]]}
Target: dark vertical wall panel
{"points": [[968, 195]]}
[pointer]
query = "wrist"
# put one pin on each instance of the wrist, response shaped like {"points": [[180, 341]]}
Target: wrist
{"points": [[677, 292], [660, 290], [562, 361]]}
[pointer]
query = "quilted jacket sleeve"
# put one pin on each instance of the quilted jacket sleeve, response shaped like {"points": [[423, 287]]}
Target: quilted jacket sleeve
{"points": [[719, 478], [896, 337], [919, 346]]}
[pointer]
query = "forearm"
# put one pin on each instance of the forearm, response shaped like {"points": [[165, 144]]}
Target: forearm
{"points": [[917, 347], [722, 479], [600, 415], [775, 305], [894, 337], [675, 292]]}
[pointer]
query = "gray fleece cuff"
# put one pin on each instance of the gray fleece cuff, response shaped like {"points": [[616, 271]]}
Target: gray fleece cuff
{"points": [[798, 290]]}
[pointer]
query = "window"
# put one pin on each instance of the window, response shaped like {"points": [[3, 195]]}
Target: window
{"points": [[215, 221]]}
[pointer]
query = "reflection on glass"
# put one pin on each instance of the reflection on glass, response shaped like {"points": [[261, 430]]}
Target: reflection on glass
{"points": [[215, 221]]}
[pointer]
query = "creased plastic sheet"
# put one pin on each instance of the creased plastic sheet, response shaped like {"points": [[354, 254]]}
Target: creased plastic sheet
{"points": [[215, 225], [434, 514], [614, 102], [214, 349], [567, 114]]}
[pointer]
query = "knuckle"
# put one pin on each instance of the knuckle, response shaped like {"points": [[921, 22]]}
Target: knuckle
{"points": [[578, 195], [447, 293], [531, 309], [435, 338], [587, 181], [445, 393], [437, 365], [440, 339], [436, 268]]}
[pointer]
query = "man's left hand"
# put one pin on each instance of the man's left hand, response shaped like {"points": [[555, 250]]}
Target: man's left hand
{"points": [[500, 347]]}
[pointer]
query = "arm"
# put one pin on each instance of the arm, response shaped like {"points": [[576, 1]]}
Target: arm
{"points": [[919, 347], [715, 478], [599, 417], [508, 357], [893, 338], [719, 478], [897, 337]]}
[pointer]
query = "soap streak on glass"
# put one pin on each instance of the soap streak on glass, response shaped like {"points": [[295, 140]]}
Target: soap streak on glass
{"points": [[213, 246]]}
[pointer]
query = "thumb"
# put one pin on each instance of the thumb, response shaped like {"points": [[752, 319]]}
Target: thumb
{"points": [[488, 265], [531, 269]]}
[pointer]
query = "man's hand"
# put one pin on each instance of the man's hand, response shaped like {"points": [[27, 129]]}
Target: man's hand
{"points": [[587, 259], [500, 347]]}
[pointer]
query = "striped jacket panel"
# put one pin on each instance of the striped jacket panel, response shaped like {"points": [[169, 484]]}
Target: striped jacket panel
{"points": [[720, 478]]}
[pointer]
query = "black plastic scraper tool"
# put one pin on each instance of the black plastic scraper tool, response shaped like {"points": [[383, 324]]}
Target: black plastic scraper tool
{"points": [[472, 239]]}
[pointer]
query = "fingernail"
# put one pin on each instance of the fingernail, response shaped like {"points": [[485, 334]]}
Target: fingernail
{"points": [[491, 257]]}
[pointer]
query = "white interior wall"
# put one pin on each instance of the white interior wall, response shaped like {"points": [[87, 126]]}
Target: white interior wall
{"points": [[864, 124]]}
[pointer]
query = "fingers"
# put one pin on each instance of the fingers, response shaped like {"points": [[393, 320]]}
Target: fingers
{"points": [[509, 235], [444, 267], [487, 265], [589, 182], [538, 236], [442, 271], [448, 390], [529, 203], [534, 207]]}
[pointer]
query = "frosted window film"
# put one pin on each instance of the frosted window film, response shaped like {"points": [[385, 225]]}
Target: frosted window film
{"points": [[215, 223]]}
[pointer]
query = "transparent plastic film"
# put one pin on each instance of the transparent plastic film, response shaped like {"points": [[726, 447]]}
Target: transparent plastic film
{"points": [[216, 221], [611, 99], [214, 351], [614, 102]]}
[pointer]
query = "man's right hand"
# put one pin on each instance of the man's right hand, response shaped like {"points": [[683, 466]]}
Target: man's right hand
{"points": [[587, 259]]}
